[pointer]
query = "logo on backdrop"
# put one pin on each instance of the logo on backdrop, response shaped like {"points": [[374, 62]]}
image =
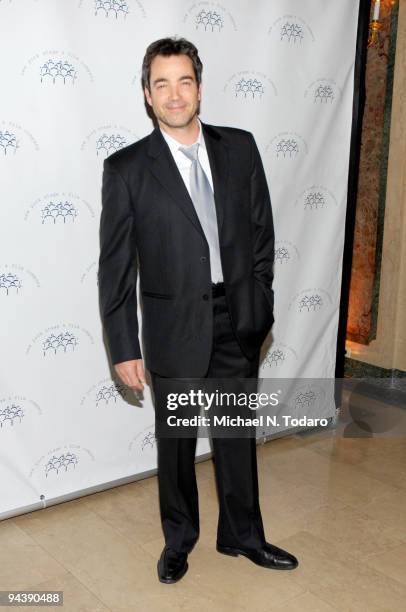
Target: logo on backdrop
{"points": [[113, 10], [211, 20], [58, 209], [57, 68], [311, 300], [10, 282], [14, 409], [14, 277], [11, 414], [108, 139], [143, 446], [291, 30], [108, 394], [279, 356], [8, 142], [308, 399], [62, 210], [60, 461], [63, 342], [316, 198], [287, 146], [322, 91], [13, 137], [105, 392], [62, 339], [285, 252], [209, 17], [108, 143], [111, 7], [249, 85]]}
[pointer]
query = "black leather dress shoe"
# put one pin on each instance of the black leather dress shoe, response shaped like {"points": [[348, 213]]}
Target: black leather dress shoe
{"points": [[172, 565], [268, 556]]}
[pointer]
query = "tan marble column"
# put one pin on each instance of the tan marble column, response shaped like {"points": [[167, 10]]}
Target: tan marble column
{"points": [[389, 348]]}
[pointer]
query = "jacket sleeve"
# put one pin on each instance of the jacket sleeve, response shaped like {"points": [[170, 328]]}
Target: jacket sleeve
{"points": [[117, 273], [262, 225]]}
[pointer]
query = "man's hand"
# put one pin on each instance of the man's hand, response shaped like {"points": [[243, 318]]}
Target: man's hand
{"points": [[132, 373]]}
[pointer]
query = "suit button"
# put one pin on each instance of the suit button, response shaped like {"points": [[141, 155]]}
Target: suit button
{"points": [[205, 296], [203, 259]]}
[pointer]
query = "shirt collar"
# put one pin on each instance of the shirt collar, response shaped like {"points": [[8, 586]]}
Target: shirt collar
{"points": [[175, 144]]}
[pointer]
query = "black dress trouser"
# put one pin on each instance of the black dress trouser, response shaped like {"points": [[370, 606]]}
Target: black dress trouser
{"points": [[235, 460]]}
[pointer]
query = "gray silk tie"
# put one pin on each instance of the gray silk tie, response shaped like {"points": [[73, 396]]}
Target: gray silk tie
{"points": [[203, 200]]}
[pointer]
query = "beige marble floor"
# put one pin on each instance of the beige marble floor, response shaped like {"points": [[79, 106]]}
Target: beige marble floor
{"points": [[337, 503]]}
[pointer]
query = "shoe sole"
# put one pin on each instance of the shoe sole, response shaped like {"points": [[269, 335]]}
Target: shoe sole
{"points": [[172, 580], [235, 552]]}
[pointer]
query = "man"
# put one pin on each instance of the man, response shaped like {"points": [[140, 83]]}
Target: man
{"points": [[189, 207]]}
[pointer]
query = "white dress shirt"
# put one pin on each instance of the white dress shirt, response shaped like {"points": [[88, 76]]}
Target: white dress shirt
{"points": [[183, 162]]}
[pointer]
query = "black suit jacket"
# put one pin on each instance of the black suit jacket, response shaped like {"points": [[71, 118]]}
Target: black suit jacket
{"points": [[149, 226]]}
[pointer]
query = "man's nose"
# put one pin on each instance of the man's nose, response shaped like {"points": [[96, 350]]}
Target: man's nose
{"points": [[174, 92]]}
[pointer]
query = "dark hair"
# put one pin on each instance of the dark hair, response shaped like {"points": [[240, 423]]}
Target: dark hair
{"points": [[170, 46]]}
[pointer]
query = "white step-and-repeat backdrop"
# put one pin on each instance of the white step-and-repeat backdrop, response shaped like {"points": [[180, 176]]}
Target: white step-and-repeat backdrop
{"points": [[71, 95]]}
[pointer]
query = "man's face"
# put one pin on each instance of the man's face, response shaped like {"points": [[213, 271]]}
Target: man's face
{"points": [[174, 93]]}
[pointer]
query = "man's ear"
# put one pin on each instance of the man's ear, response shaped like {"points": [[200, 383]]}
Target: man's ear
{"points": [[199, 92], [147, 96]]}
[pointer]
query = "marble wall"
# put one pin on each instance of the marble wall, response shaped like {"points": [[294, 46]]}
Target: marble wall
{"points": [[377, 316]]}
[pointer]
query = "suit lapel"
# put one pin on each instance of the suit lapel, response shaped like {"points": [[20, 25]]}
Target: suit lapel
{"points": [[218, 155], [165, 170]]}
